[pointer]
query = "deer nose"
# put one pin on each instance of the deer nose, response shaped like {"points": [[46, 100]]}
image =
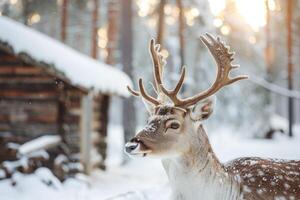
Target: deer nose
{"points": [[130, 146]]}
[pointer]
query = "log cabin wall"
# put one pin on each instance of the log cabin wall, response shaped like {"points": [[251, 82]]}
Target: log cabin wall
{"points": [[34, 102]]}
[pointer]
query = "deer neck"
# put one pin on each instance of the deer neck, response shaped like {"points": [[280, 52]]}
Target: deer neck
{"points": [[198, 174]]}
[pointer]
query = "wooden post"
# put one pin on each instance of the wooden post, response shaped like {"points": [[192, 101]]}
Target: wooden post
{"points": [[94, 52], [64, 20], [290, 63], [86, 132], [61, 112]]}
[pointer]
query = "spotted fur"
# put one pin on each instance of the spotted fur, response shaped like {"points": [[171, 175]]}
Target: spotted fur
{"points": [[267, 178]]}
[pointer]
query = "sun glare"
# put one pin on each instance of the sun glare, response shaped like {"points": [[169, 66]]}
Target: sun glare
{"points": [[253, 12]]}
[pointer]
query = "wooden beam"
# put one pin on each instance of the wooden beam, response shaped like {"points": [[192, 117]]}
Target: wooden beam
{"points": [[61, 106], [28, 98], [28, 87], [33, 95], [29, 80], [20, 70], [85, 133]]}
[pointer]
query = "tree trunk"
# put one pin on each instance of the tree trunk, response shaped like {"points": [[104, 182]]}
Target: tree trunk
{"points": [[129, 118], [181, 32], [112, 31], [64, 20], [268, 40], [94, 45], [290, 64], [268, 64], [112, 36], [25, 11], [181, 27], [161, 22]]}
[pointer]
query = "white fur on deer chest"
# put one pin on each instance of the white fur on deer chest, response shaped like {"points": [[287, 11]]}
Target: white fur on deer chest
{"points": [[190, 184]]}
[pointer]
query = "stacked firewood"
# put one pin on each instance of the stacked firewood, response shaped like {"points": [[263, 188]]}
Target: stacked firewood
{"points": [[45, 151]]}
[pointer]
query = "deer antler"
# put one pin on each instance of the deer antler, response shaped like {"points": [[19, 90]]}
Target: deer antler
{"points": [[223, 59], [158, 63]]}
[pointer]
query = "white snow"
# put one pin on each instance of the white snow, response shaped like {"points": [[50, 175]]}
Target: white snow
{"points": [[80, 69], [11, 166], [43, 142], [228, 146], [274, 88], [278, 122], [12, 145], [140, 179], [2, 174], [40, 153]]}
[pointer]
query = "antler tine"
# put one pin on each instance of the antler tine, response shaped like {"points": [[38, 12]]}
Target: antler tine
{"points": [[172, 94], [134, 93], [157, 62], [223, 60], [221, 53], [154, 49], [180, 81], [238, 78], [145, 95]]}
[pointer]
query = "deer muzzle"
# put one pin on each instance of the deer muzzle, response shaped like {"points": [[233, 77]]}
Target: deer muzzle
{"points": [[136, 147]]}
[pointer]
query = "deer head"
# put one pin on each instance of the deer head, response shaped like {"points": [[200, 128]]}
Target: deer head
{"points": [[173, 120]]}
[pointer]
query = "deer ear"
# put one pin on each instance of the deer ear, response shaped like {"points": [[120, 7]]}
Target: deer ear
{"points": [[203, 109]]}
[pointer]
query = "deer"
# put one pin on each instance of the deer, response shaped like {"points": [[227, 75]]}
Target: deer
{"points": [[175, 133]]}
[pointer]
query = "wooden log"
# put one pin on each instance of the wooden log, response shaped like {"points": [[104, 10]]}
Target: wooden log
{"points": [[20, 70], [9, 59], [19, 93], [29, 130], [28, 80], [24, 112], [4, 127], [25, 86], [72, 119], [28, 99]]}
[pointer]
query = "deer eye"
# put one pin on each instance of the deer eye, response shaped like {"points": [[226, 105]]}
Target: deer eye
{"points": [[174, 125]]}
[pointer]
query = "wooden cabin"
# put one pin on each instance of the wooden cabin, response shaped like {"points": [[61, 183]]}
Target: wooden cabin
{"points": [[48, 88]]}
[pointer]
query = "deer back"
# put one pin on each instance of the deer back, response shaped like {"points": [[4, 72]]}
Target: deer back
{"points": [[267, 178]]}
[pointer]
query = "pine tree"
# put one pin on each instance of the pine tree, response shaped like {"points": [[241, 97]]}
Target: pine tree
{"points": [[129, 121]]}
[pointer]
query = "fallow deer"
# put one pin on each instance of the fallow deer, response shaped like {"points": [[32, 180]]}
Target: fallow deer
{"points": [[175, 133]]}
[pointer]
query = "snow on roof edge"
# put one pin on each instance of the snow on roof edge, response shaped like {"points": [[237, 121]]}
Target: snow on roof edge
{"points": [[78, 68]]}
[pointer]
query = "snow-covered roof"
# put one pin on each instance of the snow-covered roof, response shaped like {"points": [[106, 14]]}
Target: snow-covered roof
{"points": [[78, 68]]}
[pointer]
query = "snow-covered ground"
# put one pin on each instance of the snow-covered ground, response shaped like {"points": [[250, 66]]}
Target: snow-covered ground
{"points": [[140, 178]]}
